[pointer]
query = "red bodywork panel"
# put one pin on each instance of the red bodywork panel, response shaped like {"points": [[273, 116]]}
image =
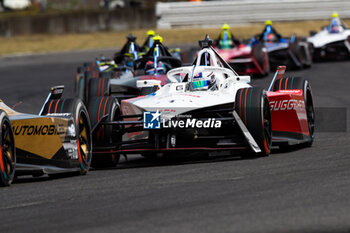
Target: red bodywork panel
{"points": [[241, 55], [162, 77], [288, 113], [239, 51]]}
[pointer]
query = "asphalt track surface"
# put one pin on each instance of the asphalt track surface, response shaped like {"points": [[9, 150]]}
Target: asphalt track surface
{"points": [[300, 190]]}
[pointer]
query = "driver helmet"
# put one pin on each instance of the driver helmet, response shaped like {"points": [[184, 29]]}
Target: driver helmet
{"points": [[158, 37], [335, 24], [268, 22], [225, 27], [151, 33], [225, 37], [268, 35], [161, 68], [151, 70], [129, 59], [203, 81]]}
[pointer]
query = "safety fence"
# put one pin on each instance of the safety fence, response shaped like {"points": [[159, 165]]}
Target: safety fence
{"points": [[235, 12]]}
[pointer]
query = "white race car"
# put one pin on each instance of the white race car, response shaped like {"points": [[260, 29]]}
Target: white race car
{"points": [[207, 106], [330, 45]]}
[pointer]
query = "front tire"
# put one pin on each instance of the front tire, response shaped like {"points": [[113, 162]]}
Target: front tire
{"points": [[97, 87], [82, 126], [7, 151], [253, 107], [104, 135]]}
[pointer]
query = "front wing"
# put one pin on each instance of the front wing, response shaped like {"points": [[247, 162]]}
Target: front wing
{"points": [[288, 116], [45, 143]]}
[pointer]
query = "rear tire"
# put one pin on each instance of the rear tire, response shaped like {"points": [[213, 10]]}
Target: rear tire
{"points": [[82, 126], [253, 107], [7, 151], [105, 135], [97, 87]]}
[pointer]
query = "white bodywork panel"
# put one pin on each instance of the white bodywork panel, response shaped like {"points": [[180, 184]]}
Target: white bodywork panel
{"points": [[323, 37], [17, 4], [148, 83], [177, 98]]}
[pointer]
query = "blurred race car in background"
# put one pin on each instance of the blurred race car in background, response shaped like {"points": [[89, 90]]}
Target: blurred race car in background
{"points": [[57, 140], [292, 52], [332, 42], [151, 66], [245, 58], [121, 65], [209, 107], [146, 76], [14, 4]]}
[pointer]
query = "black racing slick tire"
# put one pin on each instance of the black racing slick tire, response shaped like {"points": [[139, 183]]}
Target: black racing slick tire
{"points": [[252, 106], [97, 87], [302, 84], [80, 115], [7, 151], [105, 137]]}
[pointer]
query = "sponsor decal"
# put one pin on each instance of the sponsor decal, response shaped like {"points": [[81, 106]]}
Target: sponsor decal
{"points": [[59, 114], [42, 136], [152, 120], [192, 123], [37, 130], [291, 104]]}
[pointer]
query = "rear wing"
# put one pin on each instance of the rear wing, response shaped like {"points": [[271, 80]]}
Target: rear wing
{"points": [[278, 75], [55, 93]]}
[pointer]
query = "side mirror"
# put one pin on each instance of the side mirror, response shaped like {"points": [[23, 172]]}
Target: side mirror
{"points": [[148, 83]]}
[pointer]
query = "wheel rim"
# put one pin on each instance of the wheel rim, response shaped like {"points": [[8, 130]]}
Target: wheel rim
{"points": [[84, 140], [8, 151]]}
